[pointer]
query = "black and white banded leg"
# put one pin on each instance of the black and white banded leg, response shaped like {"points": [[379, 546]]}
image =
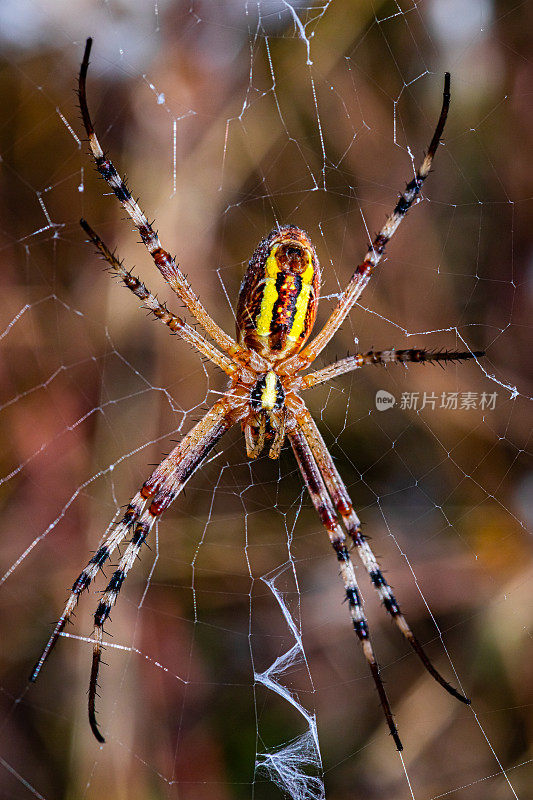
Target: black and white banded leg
{"points": [[363, 271], [325, 510], [386, 357], [166, 264], [156, 495], [89, 573], [344, 507]]}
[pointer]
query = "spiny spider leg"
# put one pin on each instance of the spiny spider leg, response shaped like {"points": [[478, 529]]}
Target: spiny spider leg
{"points": [[343, 504], [162, 259], [362, 274], [89, 573], [164, 484], [162, 487], [176, 324], [119, 532], [324, 507], [384, 357]]}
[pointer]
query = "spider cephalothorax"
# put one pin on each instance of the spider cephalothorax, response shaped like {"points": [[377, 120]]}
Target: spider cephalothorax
{"points": [[268, 393], [266, 421], [276, 311]]}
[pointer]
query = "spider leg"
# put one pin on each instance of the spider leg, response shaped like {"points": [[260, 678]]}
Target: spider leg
{"points": [[384, 357], [162, 259], [343, 504], [362, 274], [164, 484], [324, 507], [176, 324], [89, 573], [162, 487]]}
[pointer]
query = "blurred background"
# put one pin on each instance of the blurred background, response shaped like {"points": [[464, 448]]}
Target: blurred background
{"points": [[229, 118]]}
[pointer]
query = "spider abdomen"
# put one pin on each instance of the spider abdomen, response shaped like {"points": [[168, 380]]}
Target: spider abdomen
{"points": [[279, 294]]}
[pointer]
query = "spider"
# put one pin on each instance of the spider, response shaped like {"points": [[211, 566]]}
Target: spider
{"points": [[276, 311]]}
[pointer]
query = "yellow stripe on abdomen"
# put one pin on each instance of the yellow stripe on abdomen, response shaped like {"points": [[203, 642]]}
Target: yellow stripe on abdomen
{"points": [[302, 304], [270, 295]]}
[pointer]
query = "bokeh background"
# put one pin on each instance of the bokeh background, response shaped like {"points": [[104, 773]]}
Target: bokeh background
{"points": [[227, 118]]}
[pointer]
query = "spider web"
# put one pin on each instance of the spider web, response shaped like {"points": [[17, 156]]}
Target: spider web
{"points": [[232, 668]]}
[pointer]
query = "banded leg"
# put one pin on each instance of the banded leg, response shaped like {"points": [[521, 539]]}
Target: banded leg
{"points": [[343, 504], [362, 274], [384, 357], [215, 423], [162, 259], [324, 507], [109, 598], [163, 486], [176, 324], [89, 573]]}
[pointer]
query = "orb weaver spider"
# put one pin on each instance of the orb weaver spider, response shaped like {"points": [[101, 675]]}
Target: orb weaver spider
{"points": [[276, 311]]}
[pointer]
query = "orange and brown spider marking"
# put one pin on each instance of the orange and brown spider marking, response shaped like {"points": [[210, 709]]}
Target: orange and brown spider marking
{"points": [[279, 294]]}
